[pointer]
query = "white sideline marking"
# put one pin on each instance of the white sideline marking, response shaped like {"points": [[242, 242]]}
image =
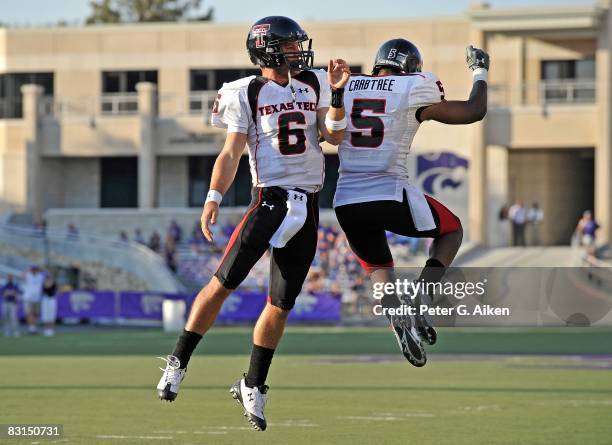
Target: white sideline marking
{"points": [[414, 414], [575, 403], [225, 427], [137, 437], [385, 418], [481, 407]]}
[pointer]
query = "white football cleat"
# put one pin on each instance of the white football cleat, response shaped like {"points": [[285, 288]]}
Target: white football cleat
{"points": [[253, 400], [168, 386]]}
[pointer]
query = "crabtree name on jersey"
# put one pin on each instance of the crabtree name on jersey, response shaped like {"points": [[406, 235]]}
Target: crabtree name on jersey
{"points": [[371, 84], [289, 106]]}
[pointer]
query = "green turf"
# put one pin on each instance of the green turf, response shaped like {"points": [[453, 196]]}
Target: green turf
{"points": [[318, 340], [315, 399]]}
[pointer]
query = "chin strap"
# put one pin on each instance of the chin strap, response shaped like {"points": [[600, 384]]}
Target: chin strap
{"points": [[293, 94]]}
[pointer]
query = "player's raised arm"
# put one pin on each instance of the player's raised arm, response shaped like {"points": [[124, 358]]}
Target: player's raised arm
{"points": [[332, 120], [472, 110], [223, 174]]}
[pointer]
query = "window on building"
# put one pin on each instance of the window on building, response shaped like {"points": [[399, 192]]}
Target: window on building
{"points": [[204, 84], [116, 89], [11, 103], [568, 80], [119, 182], [200, 80], [200, 172], [229, 75]]}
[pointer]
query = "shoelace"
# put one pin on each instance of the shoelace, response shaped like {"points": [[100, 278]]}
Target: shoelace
{"points": [[171, 368]]}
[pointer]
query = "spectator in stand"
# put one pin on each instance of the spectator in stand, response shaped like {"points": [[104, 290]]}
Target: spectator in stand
{"points": [[123, 237], [138, 236], [227, 230], [322, 243], [170, 253], [175, 231], [314, 283], [32, 295], [72, 233], [41, 228], [196, 238], [518, 216], [586, 229], [48, 306], [535, 215], [89, 281], [506, 225], [155, 242], [9, 293]]}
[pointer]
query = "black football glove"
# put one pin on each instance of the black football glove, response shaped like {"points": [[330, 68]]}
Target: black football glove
{"points": [[476, 58]]}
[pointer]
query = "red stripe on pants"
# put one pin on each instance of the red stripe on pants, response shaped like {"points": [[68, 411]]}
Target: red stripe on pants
{"points": [[238, 228], [448, 221]]}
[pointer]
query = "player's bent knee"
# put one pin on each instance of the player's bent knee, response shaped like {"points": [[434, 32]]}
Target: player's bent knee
{"points": [[218, 288], [286, 303]]}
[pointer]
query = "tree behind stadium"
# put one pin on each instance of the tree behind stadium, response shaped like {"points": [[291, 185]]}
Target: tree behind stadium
{"points": [[128, 11]]}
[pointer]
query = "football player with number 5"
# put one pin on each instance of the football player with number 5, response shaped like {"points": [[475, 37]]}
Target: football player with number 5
{"points": [[279, 115], [374, 193]]}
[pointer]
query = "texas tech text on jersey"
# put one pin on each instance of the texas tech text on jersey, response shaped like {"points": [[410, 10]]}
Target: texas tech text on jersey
{"points": [[282, 131]]}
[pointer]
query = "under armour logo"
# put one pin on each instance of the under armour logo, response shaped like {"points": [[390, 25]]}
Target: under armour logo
{"points": [[297, 197], [303, 90], [250, 396], [265, 204]]}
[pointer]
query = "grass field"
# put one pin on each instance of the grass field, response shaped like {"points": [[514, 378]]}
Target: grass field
{"points": [[328, 386]]}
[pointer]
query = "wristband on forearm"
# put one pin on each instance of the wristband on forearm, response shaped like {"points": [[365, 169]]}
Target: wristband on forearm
{"points": [[213, 196], [337, 97], [335, 125], [480, 74]]}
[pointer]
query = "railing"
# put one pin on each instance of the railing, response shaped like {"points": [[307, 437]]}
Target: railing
{"points": [[543, 93], [197, 103], [131, 257], [119, 103], [202, 102], [122, 104]]}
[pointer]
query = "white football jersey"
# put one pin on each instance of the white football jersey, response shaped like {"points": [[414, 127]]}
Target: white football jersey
{"points": [[283, 137], [382, 122]]}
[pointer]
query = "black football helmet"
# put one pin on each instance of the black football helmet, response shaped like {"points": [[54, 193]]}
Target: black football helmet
{"points": [[265, 39], [400, 55]]}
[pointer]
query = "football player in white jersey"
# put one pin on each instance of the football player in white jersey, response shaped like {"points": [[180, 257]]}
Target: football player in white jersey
{"points": [[374, 193], [279, 115]]}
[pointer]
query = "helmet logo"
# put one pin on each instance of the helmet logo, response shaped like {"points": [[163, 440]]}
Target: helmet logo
{"points": [[260, 31], [392, 53]]}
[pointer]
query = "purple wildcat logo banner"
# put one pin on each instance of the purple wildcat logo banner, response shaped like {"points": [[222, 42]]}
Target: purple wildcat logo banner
{"points": [[240, 307], [86, 304]]}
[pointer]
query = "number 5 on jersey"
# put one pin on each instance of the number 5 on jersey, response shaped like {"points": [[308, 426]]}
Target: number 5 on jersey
{"points": [[373, 127]]}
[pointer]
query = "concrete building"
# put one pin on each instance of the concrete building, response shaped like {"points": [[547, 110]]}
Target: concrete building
{"points": [[117, 116]]}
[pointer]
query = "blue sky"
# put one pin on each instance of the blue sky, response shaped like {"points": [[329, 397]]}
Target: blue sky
{"points": [[36, 12]]}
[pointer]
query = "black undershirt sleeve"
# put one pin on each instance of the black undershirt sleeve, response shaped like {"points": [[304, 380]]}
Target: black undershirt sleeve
{"points": [[418, 113]]}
